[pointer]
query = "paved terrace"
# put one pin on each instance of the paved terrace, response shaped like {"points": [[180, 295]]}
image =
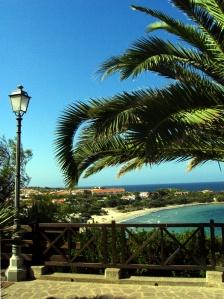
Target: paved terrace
{"points": [[67, 289], [38, 289]]}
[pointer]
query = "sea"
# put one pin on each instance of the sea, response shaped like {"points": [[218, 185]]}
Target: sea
{"points": [[199, 186]]}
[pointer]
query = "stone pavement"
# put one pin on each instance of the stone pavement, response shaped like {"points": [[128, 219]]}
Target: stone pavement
{"points": [[43, 289]]}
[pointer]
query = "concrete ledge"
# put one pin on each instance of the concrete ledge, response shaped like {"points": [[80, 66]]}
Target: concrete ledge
{"points": [[112, 273], [74, 277], [37, 271], [214, 278], [167, 281], [134, 280], [211, 280]]}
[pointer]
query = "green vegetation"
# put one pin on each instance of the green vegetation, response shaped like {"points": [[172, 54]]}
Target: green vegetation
{"points": [[162, 198], [42, 208], [39, 209], [7, 168], [81, 207], [7, 178], [180, 121]]}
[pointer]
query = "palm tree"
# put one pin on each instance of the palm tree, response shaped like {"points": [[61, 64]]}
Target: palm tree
{"points": [[7, 212], [183, 120]]}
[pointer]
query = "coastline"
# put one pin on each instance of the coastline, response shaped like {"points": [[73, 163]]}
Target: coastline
{"points": [[115, 215]]}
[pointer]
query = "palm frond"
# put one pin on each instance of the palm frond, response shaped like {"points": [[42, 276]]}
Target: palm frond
{"points": [[181, 121], [71, 119], [7, 212], [148, 53], [215, 9], [188, 33]]}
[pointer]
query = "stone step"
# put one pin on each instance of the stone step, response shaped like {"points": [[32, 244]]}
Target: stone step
{"points": [[140, 280], [168, 281], [73, 277]]}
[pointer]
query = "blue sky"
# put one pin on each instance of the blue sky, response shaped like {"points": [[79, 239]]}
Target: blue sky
{"points": [[54, 48]]}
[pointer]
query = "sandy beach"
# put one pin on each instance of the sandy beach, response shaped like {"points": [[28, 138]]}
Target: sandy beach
{"points": [[115, 215]]}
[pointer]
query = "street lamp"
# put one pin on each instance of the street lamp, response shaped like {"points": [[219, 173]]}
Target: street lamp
{"points": [[16, 270]]}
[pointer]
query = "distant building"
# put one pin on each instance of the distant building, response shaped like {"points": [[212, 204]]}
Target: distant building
{"points": [[26, 193], [81, 191], [60, 192], [107, 191], [128, 197], [144, 194], [58, 200], [206, 191]]}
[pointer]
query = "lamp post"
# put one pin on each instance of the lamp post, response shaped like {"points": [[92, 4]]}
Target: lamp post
{"points": [[16, 270]]}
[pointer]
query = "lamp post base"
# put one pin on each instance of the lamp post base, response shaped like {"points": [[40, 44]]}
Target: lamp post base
{"points": [[16, 270]]}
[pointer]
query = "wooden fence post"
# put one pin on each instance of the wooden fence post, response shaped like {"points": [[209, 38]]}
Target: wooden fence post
{"points": [[104, 245], [222, 246], [212, 233], [36, 256], [123, 245], [202, 245], [162, 256], [113, 242]]}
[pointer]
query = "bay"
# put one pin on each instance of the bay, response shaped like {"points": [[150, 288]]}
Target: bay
{"points": [[201, 213]]}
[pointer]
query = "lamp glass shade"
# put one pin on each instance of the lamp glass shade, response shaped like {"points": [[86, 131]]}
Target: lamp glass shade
{"points": [[19, 101], [24, 103]]}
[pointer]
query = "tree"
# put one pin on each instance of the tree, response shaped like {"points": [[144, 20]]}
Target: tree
{"points": [[7, 167], [183, 120], [40, 209]]}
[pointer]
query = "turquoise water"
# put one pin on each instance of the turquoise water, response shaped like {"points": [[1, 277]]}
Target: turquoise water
{"points": [[202, 213]]}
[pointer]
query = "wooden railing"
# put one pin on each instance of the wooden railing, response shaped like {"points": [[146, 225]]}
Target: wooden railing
{"points": [[125, 246]]}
